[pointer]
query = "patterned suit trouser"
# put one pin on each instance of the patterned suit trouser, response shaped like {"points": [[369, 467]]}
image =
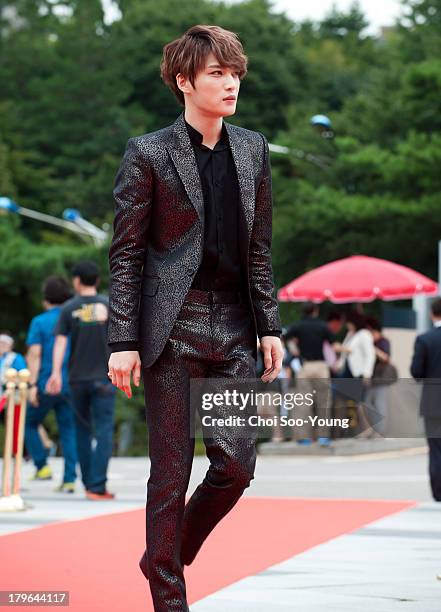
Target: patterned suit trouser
{"points": [[207, 341]]}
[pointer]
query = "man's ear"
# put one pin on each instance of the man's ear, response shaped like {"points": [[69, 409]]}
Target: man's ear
{"points": [[183, 83]]}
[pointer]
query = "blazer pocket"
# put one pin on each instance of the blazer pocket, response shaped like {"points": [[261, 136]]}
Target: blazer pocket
{"points": [[150, 285]]}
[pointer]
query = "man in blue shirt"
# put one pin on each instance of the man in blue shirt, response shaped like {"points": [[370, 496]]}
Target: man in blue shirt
{"points": [[40, 341]]}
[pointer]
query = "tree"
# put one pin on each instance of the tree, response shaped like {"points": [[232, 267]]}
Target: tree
{"points": [[340, 24], [421, 29]]}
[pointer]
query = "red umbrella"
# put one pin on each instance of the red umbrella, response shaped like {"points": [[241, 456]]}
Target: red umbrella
{"points": [[357, 279]]}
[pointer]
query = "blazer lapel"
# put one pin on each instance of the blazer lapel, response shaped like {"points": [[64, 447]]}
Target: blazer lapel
{"points": [[183, 157], [245, 175]]}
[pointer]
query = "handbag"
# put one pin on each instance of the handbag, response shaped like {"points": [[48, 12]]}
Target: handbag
{"points": [[385, 373]]}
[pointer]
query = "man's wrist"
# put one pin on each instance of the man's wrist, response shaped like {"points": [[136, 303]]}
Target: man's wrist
{"points": [[128, 345], [273, 332]]}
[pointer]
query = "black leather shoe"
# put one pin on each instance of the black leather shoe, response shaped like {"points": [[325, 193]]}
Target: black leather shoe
{"points": [[143, 565]]}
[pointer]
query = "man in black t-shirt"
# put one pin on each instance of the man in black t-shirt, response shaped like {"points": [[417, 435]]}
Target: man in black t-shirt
{"points": [[310, 334], [84, 319]]}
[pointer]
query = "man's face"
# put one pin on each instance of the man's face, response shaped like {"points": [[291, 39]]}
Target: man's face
{"points": [[215, 90], [335, 325], [5, 347]]}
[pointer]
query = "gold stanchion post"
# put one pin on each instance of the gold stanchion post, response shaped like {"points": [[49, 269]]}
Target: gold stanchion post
{"points": [[23, 376], [11, 378], [12, 501]]}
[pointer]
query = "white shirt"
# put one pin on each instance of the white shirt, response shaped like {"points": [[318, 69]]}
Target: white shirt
{"points": [[361, 359]]}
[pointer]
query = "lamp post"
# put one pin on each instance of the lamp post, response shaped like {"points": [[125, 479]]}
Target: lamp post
{"points": [[98, 235], [72, 220], [323, 125]]}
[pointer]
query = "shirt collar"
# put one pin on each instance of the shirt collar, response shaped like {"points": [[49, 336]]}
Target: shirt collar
{"points": [[437, 323], [197, 138]]}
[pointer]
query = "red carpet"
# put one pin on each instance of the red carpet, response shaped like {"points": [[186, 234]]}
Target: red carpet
{"points": [[96, 559]]}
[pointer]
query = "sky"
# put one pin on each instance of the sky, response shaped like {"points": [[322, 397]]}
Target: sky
{"points": [[379, 12]]}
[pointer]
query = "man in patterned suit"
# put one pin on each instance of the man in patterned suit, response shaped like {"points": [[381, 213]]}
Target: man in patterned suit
{"points": [[191, 287]]}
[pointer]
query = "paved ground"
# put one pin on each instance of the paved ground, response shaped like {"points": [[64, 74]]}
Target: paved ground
{"points": [[395, 475], [389, 565]]}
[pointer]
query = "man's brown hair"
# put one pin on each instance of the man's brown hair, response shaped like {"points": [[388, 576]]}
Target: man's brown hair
{"points": [[187, 55]]}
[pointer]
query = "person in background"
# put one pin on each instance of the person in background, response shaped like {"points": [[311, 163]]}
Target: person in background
{"points": [[9, 359], [40, 342], [269, 405], [47, 442], [310, 334], [426, 364], [376, 394], [84, 318], [334, 322], [285, 378], [359, 357]]}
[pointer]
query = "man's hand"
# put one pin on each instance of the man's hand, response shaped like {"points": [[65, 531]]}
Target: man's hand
{"points": [[33, 397], [54, 384], [121, 365], [272, 350], [341, 348]]}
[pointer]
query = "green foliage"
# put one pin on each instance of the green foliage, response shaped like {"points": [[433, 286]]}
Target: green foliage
{"points": [[23, 267], [343, 26], [421, 29]]}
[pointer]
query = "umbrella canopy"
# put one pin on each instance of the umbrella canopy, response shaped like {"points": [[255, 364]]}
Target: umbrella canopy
{"points": [[358, 279]]}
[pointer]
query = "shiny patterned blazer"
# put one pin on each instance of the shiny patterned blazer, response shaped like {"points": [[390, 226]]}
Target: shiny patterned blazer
{"points": [[158, 234]]}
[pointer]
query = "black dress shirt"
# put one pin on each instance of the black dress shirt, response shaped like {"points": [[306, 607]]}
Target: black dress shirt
{"points": [[220, 267]]}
